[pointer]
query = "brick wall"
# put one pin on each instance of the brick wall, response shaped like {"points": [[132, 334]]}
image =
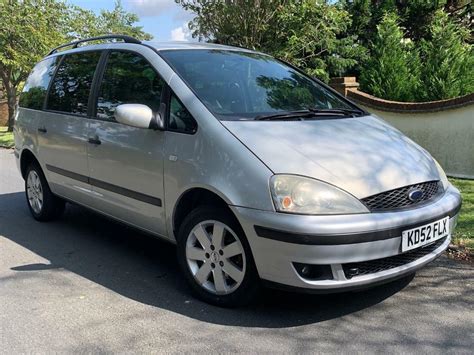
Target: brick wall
{"points": [[3, 112]]}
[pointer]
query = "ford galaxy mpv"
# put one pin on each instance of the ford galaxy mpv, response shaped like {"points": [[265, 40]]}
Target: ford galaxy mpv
{"points": [[259, 173]]}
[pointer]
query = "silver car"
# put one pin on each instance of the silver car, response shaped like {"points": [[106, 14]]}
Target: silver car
{"points": [[259, 173]]}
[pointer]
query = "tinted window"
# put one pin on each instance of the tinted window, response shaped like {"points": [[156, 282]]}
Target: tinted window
{"points": [[128, 78], [36, 85], [71, 85], [179, 118], [239, 85]]}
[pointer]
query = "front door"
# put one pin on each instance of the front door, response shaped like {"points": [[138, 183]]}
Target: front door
{"points": [[126, 163]]}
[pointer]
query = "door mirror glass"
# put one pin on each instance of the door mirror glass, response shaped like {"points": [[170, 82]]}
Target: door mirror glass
{"points": [[138, 115]]}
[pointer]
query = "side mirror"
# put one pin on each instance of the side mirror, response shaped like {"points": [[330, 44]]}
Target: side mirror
{"points": [[138, 115]]}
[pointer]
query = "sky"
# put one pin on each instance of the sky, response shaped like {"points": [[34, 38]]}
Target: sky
{"points": [[164, 19]]}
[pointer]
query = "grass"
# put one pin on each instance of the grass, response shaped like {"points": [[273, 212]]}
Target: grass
{"points": [[6, 138], [464, 233]]}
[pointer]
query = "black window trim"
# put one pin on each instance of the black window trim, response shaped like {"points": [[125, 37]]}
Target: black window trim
{"points": [[96, 82], [87, 116], [45, 102], [100, 75], [169, 94]]}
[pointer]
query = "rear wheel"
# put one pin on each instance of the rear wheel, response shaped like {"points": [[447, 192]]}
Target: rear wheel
{"points": [[43, 205], [216, 258]]}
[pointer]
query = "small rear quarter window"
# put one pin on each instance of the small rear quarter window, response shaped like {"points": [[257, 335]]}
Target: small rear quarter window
{"points": [[36, 86]]}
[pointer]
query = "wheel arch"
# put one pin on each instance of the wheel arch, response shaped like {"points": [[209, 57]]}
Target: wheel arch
{"points": [[191, 199], [26, 158]]}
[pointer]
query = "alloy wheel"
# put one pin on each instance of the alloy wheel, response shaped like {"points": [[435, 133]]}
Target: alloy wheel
{"points": [[216, 257], [34, 191]]}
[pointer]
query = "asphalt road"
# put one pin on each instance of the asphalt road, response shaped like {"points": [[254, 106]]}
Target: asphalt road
{"points": [[87, 284]]}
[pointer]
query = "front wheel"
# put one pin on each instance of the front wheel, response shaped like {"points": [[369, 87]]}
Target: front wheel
{"points": [[216, 258]]}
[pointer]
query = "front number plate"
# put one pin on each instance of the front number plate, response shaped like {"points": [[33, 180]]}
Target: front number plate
{"points": [[419, 236]]}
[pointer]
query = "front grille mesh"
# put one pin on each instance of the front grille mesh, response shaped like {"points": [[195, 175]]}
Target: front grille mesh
{"points": [[373, 266], [398, 198]]}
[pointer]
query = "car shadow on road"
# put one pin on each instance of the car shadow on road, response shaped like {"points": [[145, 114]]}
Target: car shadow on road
{"points": [[145, 269]]}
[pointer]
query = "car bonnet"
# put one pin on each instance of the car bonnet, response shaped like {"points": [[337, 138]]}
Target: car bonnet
{"points": [[361, 155]]}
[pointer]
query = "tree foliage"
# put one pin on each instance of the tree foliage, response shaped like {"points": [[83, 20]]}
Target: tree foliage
{"points": [[392, 72], [30, 28], [307, 33], [415, 16], [310, 36], [448, 61], [434, 32], [244, 23], [85, 23]]}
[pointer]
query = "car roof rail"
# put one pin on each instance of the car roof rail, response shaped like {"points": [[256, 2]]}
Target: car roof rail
{"points": [[125, 38]]}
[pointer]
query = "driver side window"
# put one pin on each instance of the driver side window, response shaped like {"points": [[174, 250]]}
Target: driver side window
{"points": [[128, 79]]}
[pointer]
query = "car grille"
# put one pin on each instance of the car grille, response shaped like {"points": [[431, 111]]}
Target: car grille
{"points": [[398, 198], [374, 266]]}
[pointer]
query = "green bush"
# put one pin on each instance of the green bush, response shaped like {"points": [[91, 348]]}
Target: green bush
{"points": [[448, 61], [392, 71]]}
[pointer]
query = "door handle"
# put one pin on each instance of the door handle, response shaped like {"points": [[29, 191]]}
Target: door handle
{"points": [[42, 129], [94, 140]]}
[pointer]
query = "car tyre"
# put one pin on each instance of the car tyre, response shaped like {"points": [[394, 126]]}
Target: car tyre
{"points": [[43, 204], [216, 259]]}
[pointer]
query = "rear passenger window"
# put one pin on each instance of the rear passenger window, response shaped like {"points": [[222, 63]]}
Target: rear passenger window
{"points": [[36, 86], [180, 119], [128, 78], [72, 84]]}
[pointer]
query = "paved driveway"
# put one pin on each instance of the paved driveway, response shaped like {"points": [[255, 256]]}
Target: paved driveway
{"points": [[86, 284]]}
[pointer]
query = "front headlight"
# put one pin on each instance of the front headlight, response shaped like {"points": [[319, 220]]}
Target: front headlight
{"points": [[442, 175], [297, 194]]}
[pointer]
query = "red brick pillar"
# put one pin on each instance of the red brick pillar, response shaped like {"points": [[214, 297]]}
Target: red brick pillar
{"points": [[343, 84]]}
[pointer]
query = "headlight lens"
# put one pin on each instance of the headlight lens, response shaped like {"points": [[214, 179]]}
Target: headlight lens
{"points": [[442, 175], [297, 194]]}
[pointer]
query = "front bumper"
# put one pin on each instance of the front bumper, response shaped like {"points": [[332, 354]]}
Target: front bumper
{"points": [[278, 241]]}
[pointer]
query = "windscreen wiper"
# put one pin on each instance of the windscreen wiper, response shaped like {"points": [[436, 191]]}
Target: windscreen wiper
{"points": [[346, 111], [286, 115], [311, 112]]}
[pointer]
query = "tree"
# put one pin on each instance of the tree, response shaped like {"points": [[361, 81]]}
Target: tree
{"points": [[84, 23], [362, 19], [392, 72], [243, 23], [415, 15], [448, 69], [30, 28], [438, 30], [461, 13], [311, 35], [307, 33]]}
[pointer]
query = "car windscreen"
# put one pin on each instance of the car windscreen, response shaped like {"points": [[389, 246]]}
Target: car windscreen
{"points": [[238, 85]]}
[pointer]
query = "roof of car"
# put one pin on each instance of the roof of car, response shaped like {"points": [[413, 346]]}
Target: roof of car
{"points": [[191, 45], [91, 44]]}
